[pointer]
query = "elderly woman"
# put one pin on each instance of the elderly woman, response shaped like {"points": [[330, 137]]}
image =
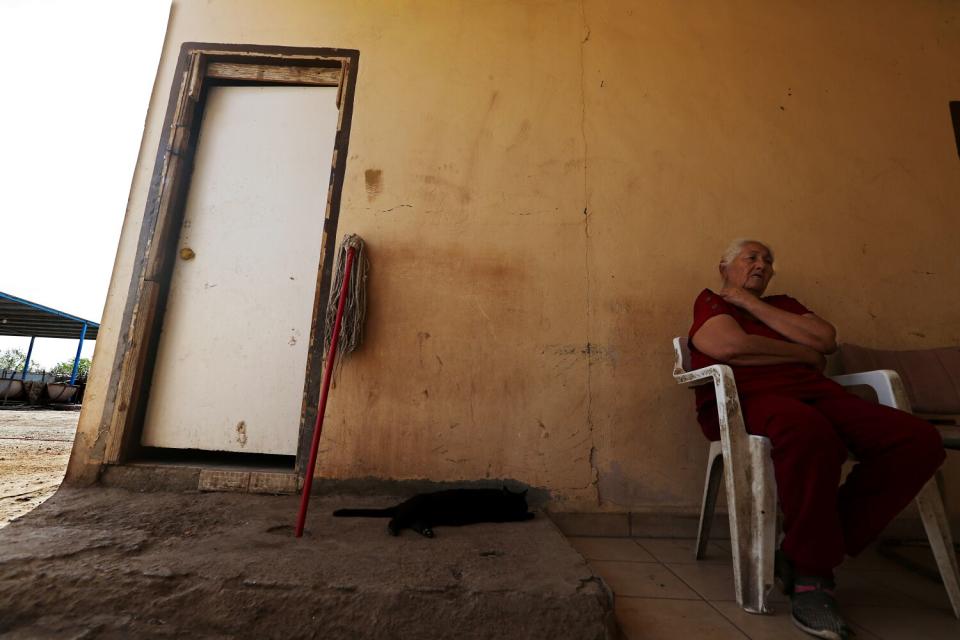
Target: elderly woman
{"points": [[776, 348]]}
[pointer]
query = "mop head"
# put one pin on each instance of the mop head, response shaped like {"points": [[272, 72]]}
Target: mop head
{"points": [[355, 307]]}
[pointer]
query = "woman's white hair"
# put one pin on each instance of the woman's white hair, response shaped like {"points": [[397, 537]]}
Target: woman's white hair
{"points": [[737, 245]]}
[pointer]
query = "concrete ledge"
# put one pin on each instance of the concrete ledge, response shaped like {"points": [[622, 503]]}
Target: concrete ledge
{"points": [[114, 563], [147, 477], [611, 525]]}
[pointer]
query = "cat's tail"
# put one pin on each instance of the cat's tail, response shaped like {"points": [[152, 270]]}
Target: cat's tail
{"points": [[364, 513]]}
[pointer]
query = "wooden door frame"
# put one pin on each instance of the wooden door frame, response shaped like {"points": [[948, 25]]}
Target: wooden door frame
{"points": [[199, 66]]}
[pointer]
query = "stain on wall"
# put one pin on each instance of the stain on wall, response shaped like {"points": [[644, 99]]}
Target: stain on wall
{"points": [[241, 430], [509, 334], [373, 178]]}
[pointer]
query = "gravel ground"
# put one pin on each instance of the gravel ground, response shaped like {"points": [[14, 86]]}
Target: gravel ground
{"points": [[34, 450]]}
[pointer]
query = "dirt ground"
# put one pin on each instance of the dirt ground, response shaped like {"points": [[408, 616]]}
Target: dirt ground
{"points": [[34, 450]]}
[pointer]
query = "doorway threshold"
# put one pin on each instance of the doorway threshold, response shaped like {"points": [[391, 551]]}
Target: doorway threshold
{"points": [[187, 470]]}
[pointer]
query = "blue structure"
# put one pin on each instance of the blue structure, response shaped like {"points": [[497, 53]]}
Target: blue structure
{"points": [[19, 317]]}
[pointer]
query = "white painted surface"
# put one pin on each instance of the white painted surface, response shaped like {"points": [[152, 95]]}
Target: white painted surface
{"points": [[235, 335]]}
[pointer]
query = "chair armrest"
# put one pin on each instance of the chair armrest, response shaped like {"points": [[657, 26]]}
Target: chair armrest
{"points": [[885, 382], [698, 377]]}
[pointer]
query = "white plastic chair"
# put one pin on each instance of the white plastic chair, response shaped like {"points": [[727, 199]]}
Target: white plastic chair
{"points": [[744, 460]]}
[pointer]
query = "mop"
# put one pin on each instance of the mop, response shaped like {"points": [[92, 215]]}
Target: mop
{"points": [[342, 333]]}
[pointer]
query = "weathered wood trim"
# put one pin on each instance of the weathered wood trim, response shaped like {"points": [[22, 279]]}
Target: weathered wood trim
{"points": [[122, 422], [274, 73], [131, 377], [314, 374]]}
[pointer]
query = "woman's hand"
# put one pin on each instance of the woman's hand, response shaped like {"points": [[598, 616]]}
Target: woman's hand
{"points": [[737, 296], [818, 360]]}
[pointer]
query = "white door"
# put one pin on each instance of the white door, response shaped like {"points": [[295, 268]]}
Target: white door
{"points": [[232, 356]]}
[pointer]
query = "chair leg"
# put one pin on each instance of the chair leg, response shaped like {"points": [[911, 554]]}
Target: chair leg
{"points": [[935, 522], [711, 489], [753, 528]]}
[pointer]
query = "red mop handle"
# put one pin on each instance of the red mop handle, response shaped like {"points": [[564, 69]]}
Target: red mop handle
{"points": [[328, 371]]}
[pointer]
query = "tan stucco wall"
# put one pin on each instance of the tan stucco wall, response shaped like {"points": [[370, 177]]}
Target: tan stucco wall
{"points": [[555, 175]]}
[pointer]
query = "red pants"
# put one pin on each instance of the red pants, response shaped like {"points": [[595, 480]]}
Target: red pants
{"points": [[812, 429]]}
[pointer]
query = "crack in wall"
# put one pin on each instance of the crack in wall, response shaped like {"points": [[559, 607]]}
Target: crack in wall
{"points": [[592, 459]]}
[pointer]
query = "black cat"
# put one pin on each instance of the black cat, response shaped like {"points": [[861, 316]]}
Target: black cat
{"points": [[453, 507]]}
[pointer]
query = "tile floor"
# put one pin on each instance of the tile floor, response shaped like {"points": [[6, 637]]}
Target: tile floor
{"points": [[662, 592]]}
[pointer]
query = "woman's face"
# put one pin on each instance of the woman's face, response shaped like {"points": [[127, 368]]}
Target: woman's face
{"points": [[752, 269]]}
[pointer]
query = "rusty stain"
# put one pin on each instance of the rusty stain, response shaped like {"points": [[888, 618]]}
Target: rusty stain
{"points": [[561, 350], [187, 254], [374, 181], [543, 429], [241, 429], [462, 192], [421, 336]]}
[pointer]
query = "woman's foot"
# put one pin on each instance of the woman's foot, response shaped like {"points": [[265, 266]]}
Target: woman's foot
{"points": [[814, 609]]}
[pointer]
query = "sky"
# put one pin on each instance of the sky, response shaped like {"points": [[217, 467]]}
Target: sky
{"points": [[76, 86]]}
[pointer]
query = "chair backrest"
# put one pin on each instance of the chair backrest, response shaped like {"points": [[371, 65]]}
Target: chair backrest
{"points": [[931, 377], [681, 352]]}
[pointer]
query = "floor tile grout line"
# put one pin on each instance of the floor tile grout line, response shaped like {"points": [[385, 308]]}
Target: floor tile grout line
{"points": [[652, 555], [691, 561], [688, 585], [654, 561], [625, 597], [709, 603], [722, 615]]}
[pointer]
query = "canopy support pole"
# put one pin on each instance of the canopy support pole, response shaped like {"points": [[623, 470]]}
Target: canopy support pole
{"points": [[26, 364], [76, 360]]}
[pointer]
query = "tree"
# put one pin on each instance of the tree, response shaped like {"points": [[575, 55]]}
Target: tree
{"points": [[13, 359], [67, 367]]}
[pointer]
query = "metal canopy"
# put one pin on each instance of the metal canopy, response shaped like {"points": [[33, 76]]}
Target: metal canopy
{"points": [[19, 317]]}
